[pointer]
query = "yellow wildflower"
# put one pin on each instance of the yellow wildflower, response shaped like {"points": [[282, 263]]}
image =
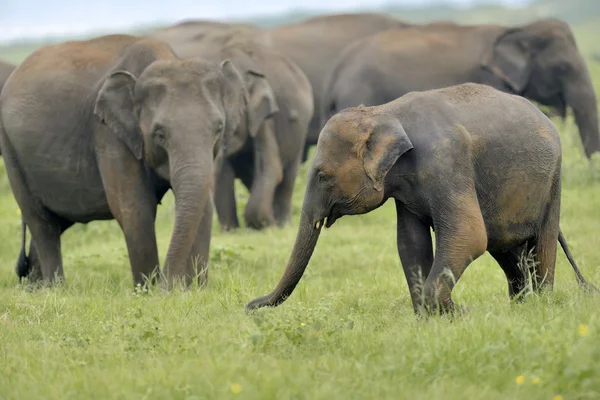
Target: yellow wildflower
{"points": [[520, 379], [236, 388], [19, 211], [536, 381], [583, 330], [558, 397]]}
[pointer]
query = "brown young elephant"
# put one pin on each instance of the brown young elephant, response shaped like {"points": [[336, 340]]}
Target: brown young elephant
{"points": [[539, 61], [316, 43], [479, 166], [280, 106], [101, 129]]}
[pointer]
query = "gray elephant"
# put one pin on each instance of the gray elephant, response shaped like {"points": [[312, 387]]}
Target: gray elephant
{"points": [[279, 111], [5, 70], [539, 61], [479, 166], [316, 43], [102, 129]]}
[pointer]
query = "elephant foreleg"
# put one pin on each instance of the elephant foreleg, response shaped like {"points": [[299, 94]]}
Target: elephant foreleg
{"points": [[225, 197], [282, 203], [415, 250], [268, 173], [133, 204]]}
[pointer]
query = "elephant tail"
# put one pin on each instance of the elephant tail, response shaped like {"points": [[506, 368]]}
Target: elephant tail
{"points": [[580, 279], [23, 266]]}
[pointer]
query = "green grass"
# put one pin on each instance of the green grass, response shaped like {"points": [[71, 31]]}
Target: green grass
{"points": [[347, 332]]}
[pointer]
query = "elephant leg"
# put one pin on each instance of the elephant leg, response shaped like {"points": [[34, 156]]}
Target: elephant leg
{"points": [[133, 204], [545, 245], [516, 274], [200, 254], [415, 250], [45, 229], [225, 198], [35, 266], [461, 237], [282, 203], [268, 173]]}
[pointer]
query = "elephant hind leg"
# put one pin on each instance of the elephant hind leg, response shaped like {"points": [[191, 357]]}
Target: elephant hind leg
{"points": [[46, 229], [515, 268], [34, 273], [546, 242]]}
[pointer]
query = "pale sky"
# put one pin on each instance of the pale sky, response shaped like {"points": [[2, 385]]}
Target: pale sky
{"points": [[34, 18]]}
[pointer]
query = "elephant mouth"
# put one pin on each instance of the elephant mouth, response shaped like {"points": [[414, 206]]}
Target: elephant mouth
{"points": [[330, 219]]}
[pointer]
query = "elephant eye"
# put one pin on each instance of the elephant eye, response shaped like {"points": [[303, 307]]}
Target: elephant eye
{"points": [[159, 135], [219, 127]]}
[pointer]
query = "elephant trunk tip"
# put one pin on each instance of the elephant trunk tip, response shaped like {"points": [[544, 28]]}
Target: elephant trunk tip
{"points": [[264, 301]]}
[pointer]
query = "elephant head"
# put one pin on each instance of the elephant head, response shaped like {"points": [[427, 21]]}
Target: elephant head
{"points": [[541, 62], [355, 151], [262, 103], [173, 114]]}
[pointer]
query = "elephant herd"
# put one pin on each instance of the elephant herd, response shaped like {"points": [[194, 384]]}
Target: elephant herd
{"points": [[437, 116]]}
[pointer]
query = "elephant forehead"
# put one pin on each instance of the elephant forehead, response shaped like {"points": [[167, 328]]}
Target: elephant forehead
{"points": [[349, 128]]}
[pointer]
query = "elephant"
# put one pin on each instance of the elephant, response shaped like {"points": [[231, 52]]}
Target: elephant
{"points": [[5, 71], [539, 61], [479, 166], [195, 29], [279, 111], [101, 129], [316, 43]]}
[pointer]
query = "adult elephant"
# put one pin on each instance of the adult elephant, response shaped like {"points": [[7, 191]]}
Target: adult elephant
{"points": [[480, 167], [195, 29], [5, 70], [539, 61], [315, 44], [101, 129], [272, 138]]}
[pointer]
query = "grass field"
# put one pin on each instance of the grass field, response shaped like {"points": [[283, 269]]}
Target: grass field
{"points": [[347, 332]]}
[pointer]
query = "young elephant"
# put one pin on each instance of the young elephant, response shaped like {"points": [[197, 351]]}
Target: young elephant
{"points": [[268, 153], [101, 129], [479, 166]]}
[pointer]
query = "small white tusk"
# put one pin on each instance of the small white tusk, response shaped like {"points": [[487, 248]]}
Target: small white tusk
{"points": [[318, 224]]}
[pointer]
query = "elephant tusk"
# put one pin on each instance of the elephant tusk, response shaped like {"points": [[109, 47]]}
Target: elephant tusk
{"points": [[318, 225]]}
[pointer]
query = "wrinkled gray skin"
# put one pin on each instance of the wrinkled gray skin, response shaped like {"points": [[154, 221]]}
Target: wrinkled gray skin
{"points": [[480, 167], [267, 157], [5, 71], [539, 61], [315, 45], [101, 129]]}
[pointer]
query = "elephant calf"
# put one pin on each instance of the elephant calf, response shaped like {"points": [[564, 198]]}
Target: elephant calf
{"points": [[280, 107], [101, 129], [479, 166]]}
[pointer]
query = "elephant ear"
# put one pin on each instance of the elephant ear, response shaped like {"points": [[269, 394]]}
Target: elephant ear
{"points": [[261, 103], [235, 98], [115, 107], [384, 145], [511, 59]]}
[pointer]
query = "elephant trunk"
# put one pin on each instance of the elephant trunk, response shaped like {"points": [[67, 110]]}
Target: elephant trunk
{"points": [[306, 240], [190, 183], [581, 98]]}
